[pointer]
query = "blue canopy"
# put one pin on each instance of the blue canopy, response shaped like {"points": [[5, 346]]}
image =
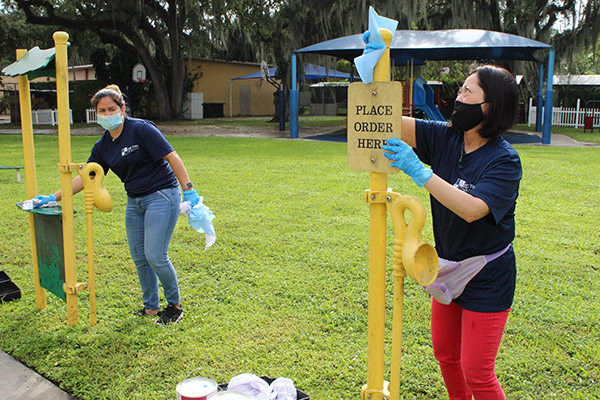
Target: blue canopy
{"points": [[451, 44], [311, 72]]}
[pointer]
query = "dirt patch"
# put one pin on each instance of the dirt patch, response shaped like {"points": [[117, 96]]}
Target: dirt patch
{"points": [[242, 131], [271, 132]]}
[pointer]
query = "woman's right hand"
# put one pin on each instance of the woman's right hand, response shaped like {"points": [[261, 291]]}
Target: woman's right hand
{"points": [[40, 200]]}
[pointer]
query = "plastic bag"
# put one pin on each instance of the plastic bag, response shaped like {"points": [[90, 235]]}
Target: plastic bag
{"points": [[250, 384], [283, 389], [200, 218]]}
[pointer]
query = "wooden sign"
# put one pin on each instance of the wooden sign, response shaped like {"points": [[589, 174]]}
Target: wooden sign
{"points": [[374, 115]]}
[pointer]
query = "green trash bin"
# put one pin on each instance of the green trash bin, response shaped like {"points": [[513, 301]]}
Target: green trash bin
{"points": [[50, 248], [213, 110]]}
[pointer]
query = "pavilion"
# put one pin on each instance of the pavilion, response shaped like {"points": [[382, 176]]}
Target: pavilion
{"points": [[410, 46]]}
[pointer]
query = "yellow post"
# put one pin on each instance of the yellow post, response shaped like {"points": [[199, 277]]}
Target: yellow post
{"points": [[95, 195], [64, 166], [399, 273], [89, 210], [377, 249], [30, 179], [412, 256]]}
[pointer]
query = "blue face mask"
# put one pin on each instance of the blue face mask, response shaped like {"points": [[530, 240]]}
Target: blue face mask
{"points": [[110, 122]]}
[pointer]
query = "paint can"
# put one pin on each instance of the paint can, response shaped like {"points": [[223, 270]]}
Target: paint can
{"points": [[231, 395], [196, 389]]}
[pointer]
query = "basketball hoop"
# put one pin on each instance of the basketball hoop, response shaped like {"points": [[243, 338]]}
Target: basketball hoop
{"points": [[138, 73], [264, 72]]}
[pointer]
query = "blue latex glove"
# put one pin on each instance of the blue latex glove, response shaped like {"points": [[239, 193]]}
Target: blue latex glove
{"points": [[41, 200], [191, 196], [371, 45], [405, 159]]}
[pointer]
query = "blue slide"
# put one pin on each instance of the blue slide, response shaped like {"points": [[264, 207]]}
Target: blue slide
{"points": [[423, 100]]}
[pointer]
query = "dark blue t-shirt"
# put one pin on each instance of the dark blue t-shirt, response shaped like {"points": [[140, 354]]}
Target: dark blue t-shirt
{"points": [[136, 157], [491, 173]]}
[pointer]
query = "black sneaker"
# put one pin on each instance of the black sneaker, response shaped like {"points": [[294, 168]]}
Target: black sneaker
{"points": [[143, 313], [170, 315]]}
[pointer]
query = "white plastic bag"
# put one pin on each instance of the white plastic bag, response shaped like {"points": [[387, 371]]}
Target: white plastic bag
{"points": [[283, 389], [251, 385]]}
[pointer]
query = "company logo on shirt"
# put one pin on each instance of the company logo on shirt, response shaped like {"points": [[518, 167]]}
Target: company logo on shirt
{"points": [[463, 185], [128, 150]]}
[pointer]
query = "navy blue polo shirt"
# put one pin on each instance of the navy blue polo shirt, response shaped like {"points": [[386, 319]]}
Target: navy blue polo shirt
{"points": [[136, 157], [491, 173]]}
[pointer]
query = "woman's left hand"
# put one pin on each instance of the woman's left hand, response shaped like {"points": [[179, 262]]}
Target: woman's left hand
{"points": [[405, 159]]}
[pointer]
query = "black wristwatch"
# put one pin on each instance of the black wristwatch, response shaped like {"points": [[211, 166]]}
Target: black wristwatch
{"points": [[188, 186]]}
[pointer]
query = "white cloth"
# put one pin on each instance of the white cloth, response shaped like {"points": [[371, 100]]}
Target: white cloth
{"points": [[453, 276], [250, 384], [29, 205], [259, 389], [283, 389]]}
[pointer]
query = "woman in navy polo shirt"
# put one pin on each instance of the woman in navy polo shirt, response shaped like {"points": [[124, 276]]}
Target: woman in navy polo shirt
{"points": [[473, 184], [137, 152]]}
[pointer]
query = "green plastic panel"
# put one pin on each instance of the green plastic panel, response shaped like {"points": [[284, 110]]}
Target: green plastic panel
{"points": [[50, 253], [50, 249]]}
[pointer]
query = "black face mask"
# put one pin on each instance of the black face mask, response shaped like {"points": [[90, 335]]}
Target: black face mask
{"points": [[467, 116]]}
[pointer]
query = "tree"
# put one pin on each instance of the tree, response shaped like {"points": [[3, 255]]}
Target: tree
{"points": [[569, 25], [151, 30], [15, 33]]}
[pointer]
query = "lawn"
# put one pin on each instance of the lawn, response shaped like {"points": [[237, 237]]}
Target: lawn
{"points": [[283, 292]]}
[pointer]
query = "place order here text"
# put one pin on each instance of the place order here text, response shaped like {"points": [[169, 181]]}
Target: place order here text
{"points": [[363, 143], [372, 127]]}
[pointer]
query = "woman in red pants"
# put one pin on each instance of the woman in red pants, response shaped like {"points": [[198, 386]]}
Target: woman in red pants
{"points": [[474, 184]]}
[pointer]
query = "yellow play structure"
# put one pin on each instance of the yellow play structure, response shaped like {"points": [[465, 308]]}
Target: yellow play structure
{"points": [[53, 238], [375, 115]]}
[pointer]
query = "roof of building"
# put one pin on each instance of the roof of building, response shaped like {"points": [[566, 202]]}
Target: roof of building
{"points": [[576, 80], [311, 72]]}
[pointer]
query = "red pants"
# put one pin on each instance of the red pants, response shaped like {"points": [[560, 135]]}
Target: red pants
{"points": [[466, 343]]}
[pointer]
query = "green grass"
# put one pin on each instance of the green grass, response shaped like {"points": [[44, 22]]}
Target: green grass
{"points": [[283, 292]]}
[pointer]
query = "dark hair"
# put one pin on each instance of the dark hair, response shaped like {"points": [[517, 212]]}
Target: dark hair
{"points": [[111, 91], [502, 96]]}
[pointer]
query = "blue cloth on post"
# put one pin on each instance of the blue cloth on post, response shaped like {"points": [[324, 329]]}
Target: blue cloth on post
{"points": [[375, 45]]}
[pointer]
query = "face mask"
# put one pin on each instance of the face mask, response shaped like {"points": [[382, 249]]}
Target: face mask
{"points": [[110, 122], [467, 116]]}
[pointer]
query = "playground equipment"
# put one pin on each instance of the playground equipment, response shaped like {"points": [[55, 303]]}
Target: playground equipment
{"points": [[52, 238], [423, 99], [375, 115]]}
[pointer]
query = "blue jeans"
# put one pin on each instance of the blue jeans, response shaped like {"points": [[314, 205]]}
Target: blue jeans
{"points": [[150, 221]]}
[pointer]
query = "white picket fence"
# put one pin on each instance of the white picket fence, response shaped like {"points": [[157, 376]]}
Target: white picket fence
{"points": [[90, 116], [567, 117], [47, 117]]}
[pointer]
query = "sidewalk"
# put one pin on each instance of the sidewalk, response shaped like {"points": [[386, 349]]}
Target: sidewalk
{"points": [[21, 383], [273, 132]]}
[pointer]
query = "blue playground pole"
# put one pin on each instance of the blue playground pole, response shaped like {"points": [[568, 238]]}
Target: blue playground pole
{"points": [[540, 101], [281, 107], [549, 100], [351, 72], [294, 102]]}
